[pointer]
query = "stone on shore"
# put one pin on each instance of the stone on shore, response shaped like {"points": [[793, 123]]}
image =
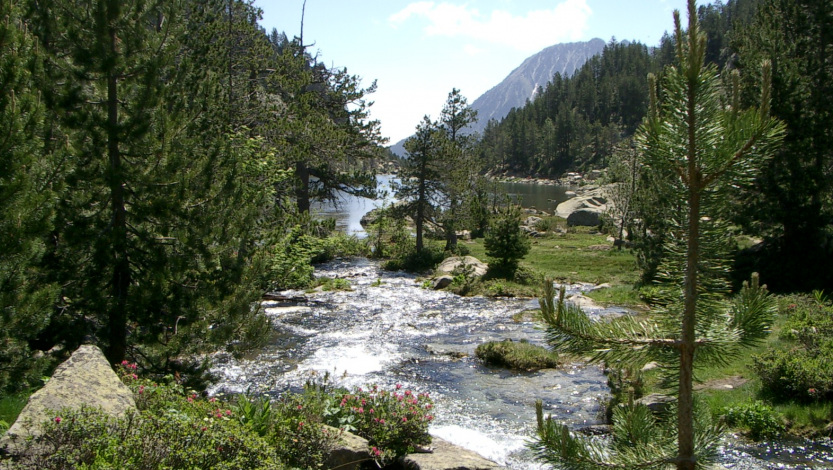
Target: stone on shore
{"points": [[450, 264], [85, 379], [447, 456], [349, 452]]}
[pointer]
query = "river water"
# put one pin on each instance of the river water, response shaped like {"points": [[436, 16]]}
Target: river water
{"points": [[388, 330]]}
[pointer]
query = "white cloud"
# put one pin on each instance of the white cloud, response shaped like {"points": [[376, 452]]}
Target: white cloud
{"points": [[472, 50], [533, 31]]}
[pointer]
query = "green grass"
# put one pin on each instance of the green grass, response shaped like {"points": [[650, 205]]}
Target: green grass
{"points": [[624, 296], [11, 406], [800, 418], [576, 256], [518, 355]]}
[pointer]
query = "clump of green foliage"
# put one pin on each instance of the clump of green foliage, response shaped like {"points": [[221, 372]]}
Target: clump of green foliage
{"points": [[291, 258], [178, 428], [405, 257], [519, 355], [758, 419], [395, 422], [804, 371], [505, 243]]}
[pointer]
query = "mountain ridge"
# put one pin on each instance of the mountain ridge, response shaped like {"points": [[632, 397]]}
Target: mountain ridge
{"points": [[521, 83]]}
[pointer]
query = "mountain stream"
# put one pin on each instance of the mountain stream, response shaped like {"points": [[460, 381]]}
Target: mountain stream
{"points": [[388, 330]]}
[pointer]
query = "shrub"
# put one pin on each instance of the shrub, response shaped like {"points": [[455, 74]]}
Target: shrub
{"points": [[408, 259], [505, 243], [516, 355], [757, 418], [804, 372], [394, 422], [172, 438]]}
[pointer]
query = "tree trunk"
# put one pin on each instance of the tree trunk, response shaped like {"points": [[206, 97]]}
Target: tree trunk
{"points": [[420, 215], [117, 327], [685, 400], [302, 189]]}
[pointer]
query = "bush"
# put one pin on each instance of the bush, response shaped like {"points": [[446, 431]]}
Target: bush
{"points": [[505, 243], [182, 437], [408, 259], [804, 372], [394, 422], [516, 355], [757, 418]]}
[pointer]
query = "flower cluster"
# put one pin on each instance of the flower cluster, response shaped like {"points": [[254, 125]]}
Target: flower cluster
{"points": [[394, 422], [127, 371]]}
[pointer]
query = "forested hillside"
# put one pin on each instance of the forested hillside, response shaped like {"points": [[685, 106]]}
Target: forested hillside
{"points": [[575, 122], [156, 160]]}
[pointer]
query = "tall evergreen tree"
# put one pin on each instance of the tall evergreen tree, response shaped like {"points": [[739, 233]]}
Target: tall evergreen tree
{"points": [[421, 175], [460, 172], [791, 205], [149, 245], [701, 147], [27, 191]]}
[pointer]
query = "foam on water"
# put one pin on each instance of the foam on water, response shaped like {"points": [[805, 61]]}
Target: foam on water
{"points": [[389, 331]]}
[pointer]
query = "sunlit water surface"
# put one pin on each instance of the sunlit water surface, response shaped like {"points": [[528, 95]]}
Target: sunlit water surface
{"points": [[388, 330]]}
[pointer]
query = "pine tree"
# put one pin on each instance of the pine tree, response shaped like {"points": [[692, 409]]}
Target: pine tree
{"points": [[700, 146], [790, 205], [460, 173], [421, 175], [151, 245], [27, 189]]}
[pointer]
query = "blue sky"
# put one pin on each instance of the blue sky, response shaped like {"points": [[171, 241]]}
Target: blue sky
{"points": [[419, 50]]}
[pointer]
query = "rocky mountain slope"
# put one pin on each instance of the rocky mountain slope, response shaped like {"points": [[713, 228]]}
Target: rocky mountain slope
{"points": [[520, 85]]}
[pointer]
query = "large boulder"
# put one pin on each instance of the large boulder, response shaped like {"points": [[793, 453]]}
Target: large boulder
{"points": [[586, 217], [86, 378], [450, 264], [349, 452], [595, 199], [447, 456]]}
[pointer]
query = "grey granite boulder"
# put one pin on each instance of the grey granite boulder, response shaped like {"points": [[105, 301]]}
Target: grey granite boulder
{"points": [[349, 452], [587, 217], [447, 456], [86, 378], [450, 264]]}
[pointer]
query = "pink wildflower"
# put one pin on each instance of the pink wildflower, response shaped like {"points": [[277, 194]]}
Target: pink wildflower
{"points": [[398, 386], [375, 452], [58, 419], [404, 419]]}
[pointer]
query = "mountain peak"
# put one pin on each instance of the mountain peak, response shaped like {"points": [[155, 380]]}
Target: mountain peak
{"points": [[522, 83], [536, 71]]}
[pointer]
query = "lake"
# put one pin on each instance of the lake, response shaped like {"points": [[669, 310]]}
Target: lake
{"points": [[348, 210]]}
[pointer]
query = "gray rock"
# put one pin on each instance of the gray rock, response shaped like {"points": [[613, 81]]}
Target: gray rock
{"points": [[585, 217], [442, 282], [447, 456], [656, 402], [450, 264], [86, 378], [595, 198], [532, 220], [349, 452]]}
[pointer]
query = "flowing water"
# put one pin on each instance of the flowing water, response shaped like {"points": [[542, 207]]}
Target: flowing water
{"points": [[388, 330]]}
